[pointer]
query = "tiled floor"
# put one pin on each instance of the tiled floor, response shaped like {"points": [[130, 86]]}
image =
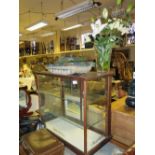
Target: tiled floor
{"points": [[108, 149]]}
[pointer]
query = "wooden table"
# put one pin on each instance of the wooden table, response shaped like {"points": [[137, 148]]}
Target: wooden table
{"points": [[123, 122]]}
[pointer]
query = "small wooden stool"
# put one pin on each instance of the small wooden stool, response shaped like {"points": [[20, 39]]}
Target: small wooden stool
{"points": [[41, 142]]}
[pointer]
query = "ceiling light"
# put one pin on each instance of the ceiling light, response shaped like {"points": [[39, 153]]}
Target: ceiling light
{"points": [[47, 34], [77, 9], [72, 27], [37, 26]]}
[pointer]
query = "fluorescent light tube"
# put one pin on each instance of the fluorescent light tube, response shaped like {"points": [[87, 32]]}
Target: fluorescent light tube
{"points": [[77, 9], [37, 26], [72, 27], [47, 34]]}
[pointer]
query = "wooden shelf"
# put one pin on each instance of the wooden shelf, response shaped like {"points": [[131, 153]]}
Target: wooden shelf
{"points": [[71, 51], [59, 53]]}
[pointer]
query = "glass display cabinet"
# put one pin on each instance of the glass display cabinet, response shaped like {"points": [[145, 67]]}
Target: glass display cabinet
{"points": [[76, 108]]}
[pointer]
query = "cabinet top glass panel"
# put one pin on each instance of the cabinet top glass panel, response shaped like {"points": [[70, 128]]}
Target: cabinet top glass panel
{"points": [[88, 76]]}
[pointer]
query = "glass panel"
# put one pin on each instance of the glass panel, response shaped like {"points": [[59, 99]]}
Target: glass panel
{"points": [[73, 106], [96, 104], [49, 90], [61, 109]]}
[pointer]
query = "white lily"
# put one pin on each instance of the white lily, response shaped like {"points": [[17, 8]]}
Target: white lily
{"points": [[97, 27], [116, 24], [125, 30], [105, 13], [111, 26]]}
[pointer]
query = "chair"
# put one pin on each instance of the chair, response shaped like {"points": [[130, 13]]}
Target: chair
{"points": [[27, 121], [24, 101], [34, 102]]}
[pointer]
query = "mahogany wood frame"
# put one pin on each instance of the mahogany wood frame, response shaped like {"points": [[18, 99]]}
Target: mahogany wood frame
{"points": [[83, 93]]}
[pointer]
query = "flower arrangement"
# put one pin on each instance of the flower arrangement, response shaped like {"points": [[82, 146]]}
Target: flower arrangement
{"points": [[110, 30]]}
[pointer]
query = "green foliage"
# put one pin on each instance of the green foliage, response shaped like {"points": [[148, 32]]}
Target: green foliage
{"points": [[119, 2], [130, 7], [111, 34]]}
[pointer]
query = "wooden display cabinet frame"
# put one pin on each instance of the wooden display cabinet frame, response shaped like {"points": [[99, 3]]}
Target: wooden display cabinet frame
{"points": [[83, 93]]}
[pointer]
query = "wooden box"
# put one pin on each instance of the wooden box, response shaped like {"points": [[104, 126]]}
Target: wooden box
{"points": [[123, 122], [41, 142]]}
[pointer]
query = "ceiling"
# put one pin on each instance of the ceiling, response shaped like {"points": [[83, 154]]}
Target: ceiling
{"points": [[32, 11]]}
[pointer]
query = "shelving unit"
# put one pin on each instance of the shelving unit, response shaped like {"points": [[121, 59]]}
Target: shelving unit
{"points": [[59, 53], [71, 52], [75, 111], [89, 54]]}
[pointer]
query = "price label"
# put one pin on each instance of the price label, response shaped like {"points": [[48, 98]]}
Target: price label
{"points": [[74, 82]]}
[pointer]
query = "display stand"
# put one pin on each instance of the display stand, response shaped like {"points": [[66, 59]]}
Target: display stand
{"points": [[75, 109]]}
